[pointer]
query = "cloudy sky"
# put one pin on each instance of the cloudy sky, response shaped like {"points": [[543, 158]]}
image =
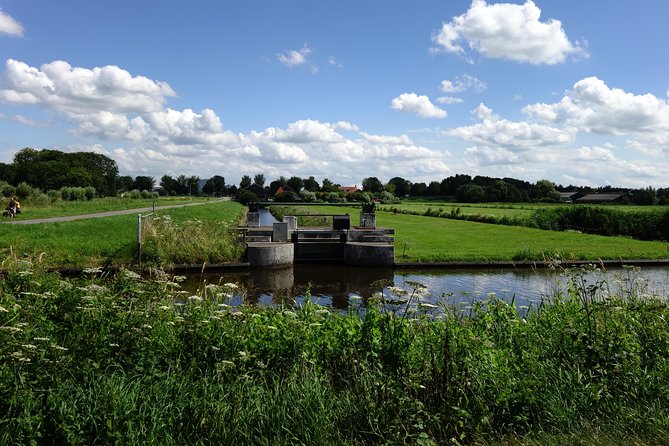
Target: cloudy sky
{"points": [[575, 91]]}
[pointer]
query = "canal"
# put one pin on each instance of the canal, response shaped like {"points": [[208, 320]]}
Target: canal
{"points": [[338, 286]]}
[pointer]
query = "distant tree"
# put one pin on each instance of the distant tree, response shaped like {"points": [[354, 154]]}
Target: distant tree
{"points": [[259, 179], [246, 197], [450, 185], [214, 186], [169, 184], [52, 169], [143, 183], [295, 183], [329, 186], [276, 184], [311, 184], [647, 196], [372, 184], [402, 186], [470, 193], [544, 190], [434, 188], [7, 173], [418, 189], [124, 183], [245, 182]]}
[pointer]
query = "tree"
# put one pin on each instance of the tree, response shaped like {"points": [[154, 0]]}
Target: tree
{"points": [[470, 193], [372, 184], [259, 179], [418, 189], [124, 183], [295, 183], [169, 184], [311, 184], [544, 190], [276, 184], [245, 182], [434, 188], [402, 186], [52, 169], [329, 186], [214, 186], [143, 183]]}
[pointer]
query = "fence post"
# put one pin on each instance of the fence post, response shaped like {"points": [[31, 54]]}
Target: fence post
{"points": [[139, 242]]}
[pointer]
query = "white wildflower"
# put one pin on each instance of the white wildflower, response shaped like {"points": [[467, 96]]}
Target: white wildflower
{"points": [[41, 339], [195, 298], [3, 309], [58, 347]]}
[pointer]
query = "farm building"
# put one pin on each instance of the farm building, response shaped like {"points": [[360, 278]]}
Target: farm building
{"points": [[617, 197]]}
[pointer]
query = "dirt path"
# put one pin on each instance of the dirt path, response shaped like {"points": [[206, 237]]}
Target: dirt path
{"points": [[101, 214]]}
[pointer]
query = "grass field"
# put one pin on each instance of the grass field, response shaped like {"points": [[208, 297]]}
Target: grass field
{"points": [[428, 239], [66, 208], [499, 210], [100, 241]]}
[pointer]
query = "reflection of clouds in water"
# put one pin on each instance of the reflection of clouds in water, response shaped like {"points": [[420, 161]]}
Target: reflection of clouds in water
{"points": [[343, 287], [456, 287]]}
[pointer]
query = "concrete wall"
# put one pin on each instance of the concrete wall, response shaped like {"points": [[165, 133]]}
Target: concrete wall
{"points": [[270, 254], [369, 254]]}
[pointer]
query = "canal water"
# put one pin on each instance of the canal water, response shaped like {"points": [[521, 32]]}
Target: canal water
{"points": [[338, 286]]}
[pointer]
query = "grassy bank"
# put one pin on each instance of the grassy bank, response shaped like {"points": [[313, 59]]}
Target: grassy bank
{"points": [[428, 239], [103, 361], [62, 208], [113, 240]]}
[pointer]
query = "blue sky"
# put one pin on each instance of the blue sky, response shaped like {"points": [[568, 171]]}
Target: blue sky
{"points": [[572, 91]]}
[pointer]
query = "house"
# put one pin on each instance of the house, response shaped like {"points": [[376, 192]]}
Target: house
{"points": [[347, 189], [283, 189], [261, 192], [569, 197], [616, 197]]}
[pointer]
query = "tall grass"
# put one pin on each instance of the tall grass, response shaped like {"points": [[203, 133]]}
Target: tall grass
{"points": [[130, 361], [190, 242]]}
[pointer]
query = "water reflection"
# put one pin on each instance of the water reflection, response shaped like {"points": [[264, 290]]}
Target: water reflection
{"points": [[336, 285]]}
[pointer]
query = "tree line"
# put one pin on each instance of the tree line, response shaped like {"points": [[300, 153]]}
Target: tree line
{"points": [[50, 170]]}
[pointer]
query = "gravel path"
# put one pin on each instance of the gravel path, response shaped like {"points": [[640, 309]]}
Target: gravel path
{"points": [[10, 221]]}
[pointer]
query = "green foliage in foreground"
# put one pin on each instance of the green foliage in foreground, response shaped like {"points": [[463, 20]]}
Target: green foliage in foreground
{"points": [[129, 362], [198, 233]]}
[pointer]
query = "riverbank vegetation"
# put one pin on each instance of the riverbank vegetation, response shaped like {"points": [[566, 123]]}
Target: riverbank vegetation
{"points": [[130, 361], [420, 238], [196, 234]]}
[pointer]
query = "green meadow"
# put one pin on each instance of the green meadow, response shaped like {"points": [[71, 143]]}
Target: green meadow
{"points": [[197, 234], [431, 239]]}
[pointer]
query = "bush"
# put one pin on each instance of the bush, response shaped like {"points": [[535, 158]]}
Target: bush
{"points": [[246, 197], [8, 190], [89, 192], [24, 190]]}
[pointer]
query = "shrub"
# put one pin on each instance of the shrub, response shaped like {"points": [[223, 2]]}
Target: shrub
{"points": [[24, 190], [8, 190]]}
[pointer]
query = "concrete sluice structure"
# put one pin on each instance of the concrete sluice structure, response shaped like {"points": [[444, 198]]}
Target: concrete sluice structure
{"points": [[284, 243]]}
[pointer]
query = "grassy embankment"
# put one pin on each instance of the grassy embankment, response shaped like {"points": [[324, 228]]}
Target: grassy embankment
{"points": [[122, 361], [429, 239], [62, 208], [197, 234]]}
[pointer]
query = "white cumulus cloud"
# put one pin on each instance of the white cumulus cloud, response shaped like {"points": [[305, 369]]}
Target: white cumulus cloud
{"points": [[463, 83], [418, 105], [507, 31], [9, 25], [293, 58]]}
